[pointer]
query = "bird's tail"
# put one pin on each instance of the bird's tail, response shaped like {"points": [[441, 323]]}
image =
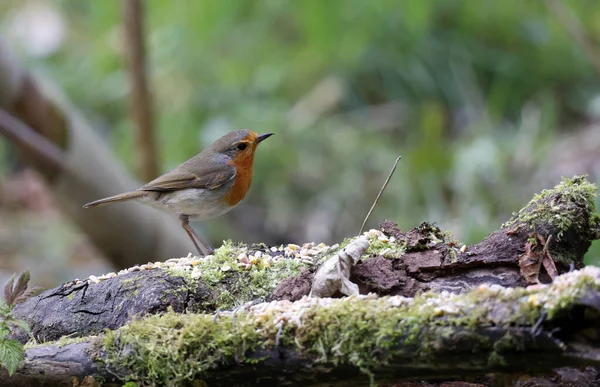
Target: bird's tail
{"points": [[117, 198]]}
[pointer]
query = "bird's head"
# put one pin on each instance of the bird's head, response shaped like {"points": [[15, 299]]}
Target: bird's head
{"points": [[240, 144]]}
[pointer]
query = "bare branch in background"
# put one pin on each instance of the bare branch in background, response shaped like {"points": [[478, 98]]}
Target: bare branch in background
{"points": [[141, 98], [79, 167], [565, 17], [31, 142]]}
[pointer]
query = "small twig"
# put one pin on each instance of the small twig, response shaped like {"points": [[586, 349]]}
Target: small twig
{"points": [[141, 98], [547, 259], [379, 194], [536, 329], [547, 244], [28, 140]]}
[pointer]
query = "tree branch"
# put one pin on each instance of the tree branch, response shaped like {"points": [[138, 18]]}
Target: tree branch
{"points": [[127, 233], [141, 97], [30, 142]]}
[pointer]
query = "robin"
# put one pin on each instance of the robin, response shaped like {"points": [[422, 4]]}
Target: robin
{"points": [[206, 186]]}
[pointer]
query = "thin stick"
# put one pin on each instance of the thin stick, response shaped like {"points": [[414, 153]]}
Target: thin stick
{"points": [[141, 96], [379, 194], [28, 140]]}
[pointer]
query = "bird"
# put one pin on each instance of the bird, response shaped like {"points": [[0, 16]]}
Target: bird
{"points": [[206, 186]]}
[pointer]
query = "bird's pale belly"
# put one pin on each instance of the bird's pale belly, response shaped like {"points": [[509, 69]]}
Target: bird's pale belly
{"points": [[197, 203]]}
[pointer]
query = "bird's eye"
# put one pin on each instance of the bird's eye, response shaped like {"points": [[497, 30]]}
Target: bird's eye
{"points": [[241, 146]]}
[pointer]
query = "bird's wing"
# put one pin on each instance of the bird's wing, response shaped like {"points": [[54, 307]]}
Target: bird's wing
{"points": [[209, 178]]}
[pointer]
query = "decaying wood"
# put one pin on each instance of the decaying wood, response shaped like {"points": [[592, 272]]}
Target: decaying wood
{"points": [[549, 332], [83, 309], [441, 348]]}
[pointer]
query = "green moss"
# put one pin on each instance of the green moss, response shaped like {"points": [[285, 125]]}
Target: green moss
{"points": [[364, 332], [261, 281], [130, 281], [132, 285], [387, 248], [175, 348], [559, 206], [233, 285], [222, 264], [495, 359], [453, 255], [225, 299], [508, 343]]}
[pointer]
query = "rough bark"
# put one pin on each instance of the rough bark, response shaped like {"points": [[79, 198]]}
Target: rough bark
{"points": [[485, 328], [87, 309], [441, 348], [55, 365]]}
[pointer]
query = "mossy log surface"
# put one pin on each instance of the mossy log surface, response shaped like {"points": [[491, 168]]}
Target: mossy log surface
{"points": [[490, 329], [437, 310]]}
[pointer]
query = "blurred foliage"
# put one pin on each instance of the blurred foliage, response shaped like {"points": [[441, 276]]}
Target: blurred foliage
{"points": [[473, 94]]}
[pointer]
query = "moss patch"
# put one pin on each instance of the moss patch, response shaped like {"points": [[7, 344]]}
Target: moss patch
{"points": [[364, 332], [385, 247], [565, 213], [560, 206], [233, 285]]}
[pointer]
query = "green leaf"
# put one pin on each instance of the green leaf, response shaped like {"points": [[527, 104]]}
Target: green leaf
{"points": [[11, 355], [21, 287], [17, 292], [4, 331], [19, 324], [5, 309], [8, 290]]}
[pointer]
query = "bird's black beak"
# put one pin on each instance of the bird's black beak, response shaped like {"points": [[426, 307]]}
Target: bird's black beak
{"points": [[262, 137]]}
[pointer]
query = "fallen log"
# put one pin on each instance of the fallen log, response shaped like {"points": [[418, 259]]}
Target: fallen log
{"points": [[363, 339], [395, 263], [437, 309]]}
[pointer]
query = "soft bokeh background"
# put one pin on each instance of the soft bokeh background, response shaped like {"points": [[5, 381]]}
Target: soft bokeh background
{"points": [[488, 102]]}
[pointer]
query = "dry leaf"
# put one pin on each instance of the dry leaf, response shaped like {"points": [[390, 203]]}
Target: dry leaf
{"points": [[537, 253], [334, 275], [530, 262]]}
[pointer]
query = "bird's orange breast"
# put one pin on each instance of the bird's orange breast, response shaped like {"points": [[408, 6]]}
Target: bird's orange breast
{"points": [[243, 178]]}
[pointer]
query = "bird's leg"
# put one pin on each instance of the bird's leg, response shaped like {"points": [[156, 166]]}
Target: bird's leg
{"points": [[194, 236], [186, 227], [209, 250]]}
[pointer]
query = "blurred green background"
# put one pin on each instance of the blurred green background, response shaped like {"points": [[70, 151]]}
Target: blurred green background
{"points": [[488, 102]]}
